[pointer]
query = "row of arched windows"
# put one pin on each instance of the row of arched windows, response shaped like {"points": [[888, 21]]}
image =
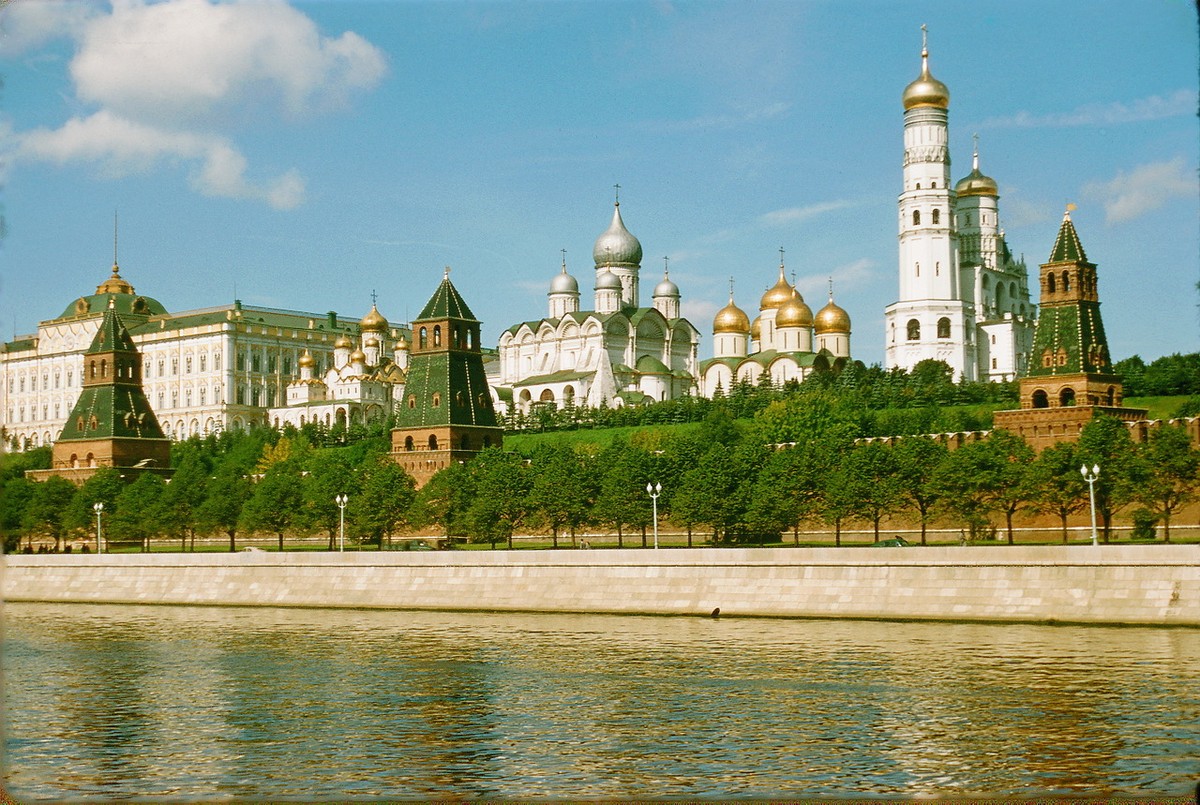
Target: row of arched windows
{"points": [[936, 217], [914, 329], [464, 442], [462, 336]]}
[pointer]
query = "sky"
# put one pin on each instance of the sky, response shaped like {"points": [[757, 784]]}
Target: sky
{"points": [[305, 155]]}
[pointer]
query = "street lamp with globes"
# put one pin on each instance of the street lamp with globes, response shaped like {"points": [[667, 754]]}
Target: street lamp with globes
{"points": [[341, 501], [98, 508], [1091, 482], [654, 490]]}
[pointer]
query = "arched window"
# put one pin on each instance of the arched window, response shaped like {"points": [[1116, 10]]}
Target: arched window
{"points": [[943, 328], [412, 401], [433, 441], [437, 399], [1111, 397], [1066, 397], [1066, 282], [423, 339], [1050, 283], [916, 217], [408, 443], [1041, 399], [937, 214], [914, 330], [437, 335], [103, 368]]}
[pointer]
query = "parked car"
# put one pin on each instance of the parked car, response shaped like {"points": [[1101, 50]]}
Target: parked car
{"points": [[893, 542]]}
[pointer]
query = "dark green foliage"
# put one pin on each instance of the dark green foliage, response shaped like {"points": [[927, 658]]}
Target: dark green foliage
{"points": [[1170, 375]]}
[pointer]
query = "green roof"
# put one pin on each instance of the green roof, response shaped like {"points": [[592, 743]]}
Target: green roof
{"points": [[1067, 248], [554, 377], [446, 303], [111, 412], [650, 365], [125, 303]]}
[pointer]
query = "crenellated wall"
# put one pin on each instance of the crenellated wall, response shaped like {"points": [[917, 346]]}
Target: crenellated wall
{"points": [[1137, 584]]}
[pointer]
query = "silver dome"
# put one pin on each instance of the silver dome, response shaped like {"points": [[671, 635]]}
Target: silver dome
{"points": [[607, 281], [666, 288], [564, 283], [617, 246]]}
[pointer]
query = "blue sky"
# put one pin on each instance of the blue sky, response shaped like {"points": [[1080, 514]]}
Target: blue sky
{"points": [[302, 155]]}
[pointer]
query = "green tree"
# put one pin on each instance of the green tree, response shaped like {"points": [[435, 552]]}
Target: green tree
{"points": [[917, 459], [500, 504], [275, 501], [15, 496], [105, 485], [186, 493], [1172, 475], [384, 501], [871, 482], [1055, 485], [47, 509], [562, 489], [444, 500], [622, 500], [963, 485], [1012, 457], [327, 474], [1105, 443], [221, 509], [140, 513]]}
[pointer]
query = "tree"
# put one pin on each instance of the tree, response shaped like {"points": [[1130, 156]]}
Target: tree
{"points": [[221, 510], [15, 496], [105, 485], [186, 493], [622, 499], [275, 502], [1055, 485], [871, 482], [384, 501], [327, 474], [501, 501], [47, 509], [1105, 443], [140, 513], [444, 500], [562, 489], [1172, 475], [917, 459], [1012, 457]]}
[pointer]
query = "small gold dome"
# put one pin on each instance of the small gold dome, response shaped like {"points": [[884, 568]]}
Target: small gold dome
{"points": [[307, 360], [373, 321], [114, 284], [926, 90], [358, 356], [756, 329], [778, 295], [402, 343], [794, 313], [832, 319], [371, 341], [343, 342], [731, 319], [976, 184]]}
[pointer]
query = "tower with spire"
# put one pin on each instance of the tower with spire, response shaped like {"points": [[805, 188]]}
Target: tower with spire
{"points": [[963, 299], [1071, 378], [447, 413]]}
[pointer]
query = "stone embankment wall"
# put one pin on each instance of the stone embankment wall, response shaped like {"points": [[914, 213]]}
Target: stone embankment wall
{"points": [[1135, 584]]}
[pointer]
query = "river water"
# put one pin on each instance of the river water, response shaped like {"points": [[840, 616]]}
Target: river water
{"points": [[120, 702]]}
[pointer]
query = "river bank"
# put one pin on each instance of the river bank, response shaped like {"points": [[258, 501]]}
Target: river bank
{"points": [[1134, 584]]}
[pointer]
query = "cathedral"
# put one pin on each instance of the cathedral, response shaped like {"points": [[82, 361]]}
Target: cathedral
{"points": [[785, 342], [964, 299], [616, 353]]}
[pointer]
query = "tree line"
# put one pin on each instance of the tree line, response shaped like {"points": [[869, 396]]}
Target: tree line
{"points": [[800, 463]]}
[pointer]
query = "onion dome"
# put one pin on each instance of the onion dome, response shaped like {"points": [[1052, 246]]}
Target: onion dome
{"points": [[402, 343], [778, 295], [564, 282], [832, 319], [373, 322], [114, 284], [307, 360], [358, 356], [666, 287], [926, 90], [756, 329], [617, 246], [607, 281], [343, 342], [371, 341], [975, 183], [794, 313], [731, 319]]}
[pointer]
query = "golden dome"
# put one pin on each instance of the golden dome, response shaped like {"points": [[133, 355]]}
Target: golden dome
{"points": [[926, 90], [114, 284], [756, 329], [794, 313], [373, 321], [975, 183], [358, 356], [371, 341], [402, 343], [307, 360], [343, 342], [832, 319], [778, 295], [731, 319]]}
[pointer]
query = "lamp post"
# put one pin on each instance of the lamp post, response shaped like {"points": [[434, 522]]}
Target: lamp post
{"points": [[98, 507], [654, 490], [1091, 482], [341, 501]]}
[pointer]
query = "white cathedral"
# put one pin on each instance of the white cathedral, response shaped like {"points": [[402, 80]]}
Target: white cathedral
{"points": [[617, 353], [964, 299]]}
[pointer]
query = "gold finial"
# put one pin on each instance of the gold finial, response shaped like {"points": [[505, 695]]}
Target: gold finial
{"points": [[373, 297], [1067, 214], [446, 275]]}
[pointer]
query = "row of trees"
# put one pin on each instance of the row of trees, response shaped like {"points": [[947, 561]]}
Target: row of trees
{"points": [[799, 464]]}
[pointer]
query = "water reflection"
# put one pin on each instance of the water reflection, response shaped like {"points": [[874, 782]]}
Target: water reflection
{"points": [[193, 702]]}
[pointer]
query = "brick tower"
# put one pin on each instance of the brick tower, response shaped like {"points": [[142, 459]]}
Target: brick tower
{"points": [[447, 412], [1070, 378], [112, 424]]}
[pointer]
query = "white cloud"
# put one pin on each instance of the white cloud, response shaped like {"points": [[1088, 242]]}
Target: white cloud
{"points": [[1156, 107], [168, 79], [27, 25], [120, 147], [793, 215], [198, 60], [1144, 189]]}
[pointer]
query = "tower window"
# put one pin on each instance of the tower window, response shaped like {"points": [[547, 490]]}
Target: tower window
{"points": [[914, 330], [936, 216], [1066, 282], [1050, 283], [437, 335], [916, 217], [943, 328], [423, 338]]}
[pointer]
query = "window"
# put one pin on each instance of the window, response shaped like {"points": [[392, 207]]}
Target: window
{"points": [[914, 330], [56, 379], [203, 395], [256, 362], [412, 401], [203, 363], [241, 361], [437, 335], [916, 217], [1066, 282], [187, 364], [70, 379], [160, 368], [174, 367], [433, 444], [271, 362], [943, 328], [287, 365], [408, 443], [437, 400], [423, 339], [993, 363], [217, 361], [936, 216], [1050, 283]]}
